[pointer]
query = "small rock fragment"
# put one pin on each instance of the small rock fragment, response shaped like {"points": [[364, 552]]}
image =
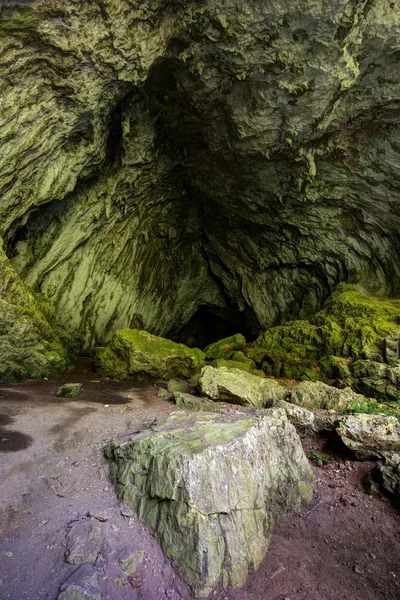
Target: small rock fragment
{"points": [[82, 585], [69, 390], [84, 543]]}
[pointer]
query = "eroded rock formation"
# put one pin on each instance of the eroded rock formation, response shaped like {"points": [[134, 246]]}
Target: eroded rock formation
{"points": [[164, 164]]}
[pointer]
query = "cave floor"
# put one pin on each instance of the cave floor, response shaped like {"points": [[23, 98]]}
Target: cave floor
{"points": [[53, 474]]}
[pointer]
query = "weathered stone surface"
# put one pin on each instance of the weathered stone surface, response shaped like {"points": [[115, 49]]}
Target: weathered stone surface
{"points": [[225, 348], [160, 157], [84, 542], [69, 390], [317, 395], [140, 356], [239, 387], [212, 486], [370, 436], [164, 394], [189, 402], [178, 385], [301, 418], [82, 585], [389, 471], [376, 379]]}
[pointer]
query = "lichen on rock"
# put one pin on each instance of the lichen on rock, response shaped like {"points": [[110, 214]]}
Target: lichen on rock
{"points": [[212, 486]]}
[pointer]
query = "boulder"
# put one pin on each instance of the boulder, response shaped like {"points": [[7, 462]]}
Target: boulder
{"points": [[69, 390], [317, 395], [370, 436], [164, 394], [301, 418], [139, 356], [189, 402], [239, 387], [233, 364], [376, 379], [211, 486], [226, 347]]}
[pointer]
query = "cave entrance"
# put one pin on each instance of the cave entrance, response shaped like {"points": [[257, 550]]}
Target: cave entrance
{"points": [[210, 324]]}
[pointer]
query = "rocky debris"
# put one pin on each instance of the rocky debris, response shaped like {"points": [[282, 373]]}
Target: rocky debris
{"points": [[376, 379], [178, 385], [82, 585], [84, 542], [139, 356], [370, 436], [132, 562], [389, 472], [239, 387], [211, 486], [69, 390], [317, 395], [226, 347], [164, 394]]}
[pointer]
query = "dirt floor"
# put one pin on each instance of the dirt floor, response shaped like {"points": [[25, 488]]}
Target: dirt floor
{"points": [[346, 544]]}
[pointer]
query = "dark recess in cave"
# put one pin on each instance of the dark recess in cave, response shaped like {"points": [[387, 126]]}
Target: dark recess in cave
{"points": [[210, 324]]}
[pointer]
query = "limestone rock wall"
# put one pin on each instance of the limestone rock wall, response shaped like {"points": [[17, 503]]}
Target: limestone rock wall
{"points": [[160, 156]]}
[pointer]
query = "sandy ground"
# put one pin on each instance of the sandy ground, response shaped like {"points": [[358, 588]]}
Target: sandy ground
{"points": [[346, 544]]}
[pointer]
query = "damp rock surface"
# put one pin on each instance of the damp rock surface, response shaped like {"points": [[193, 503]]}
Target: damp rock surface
{"points": [[140, 356], [239, 387], [211, 486]]}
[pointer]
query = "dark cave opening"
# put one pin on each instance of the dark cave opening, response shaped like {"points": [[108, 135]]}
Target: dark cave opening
{"points": [[211, 324]]}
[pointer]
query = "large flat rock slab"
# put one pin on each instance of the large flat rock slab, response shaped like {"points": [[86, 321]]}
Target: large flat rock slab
{"points": [[211, 486]]}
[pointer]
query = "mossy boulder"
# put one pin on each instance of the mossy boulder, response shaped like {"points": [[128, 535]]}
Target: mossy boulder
{"points": [[137, 355], [239, 387], [226, 347], [212, 486], [351, 326], [376, 379], [69, 390]]}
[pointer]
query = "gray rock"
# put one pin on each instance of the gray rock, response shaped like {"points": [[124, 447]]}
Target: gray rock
{"points": [[377, 379], [317, 395], [301, 418], [370, 436], [389, 471], [239, 387], [84, 542], [212, 486], [69, 390], [178, 385], [82, 585], [164, 394]]}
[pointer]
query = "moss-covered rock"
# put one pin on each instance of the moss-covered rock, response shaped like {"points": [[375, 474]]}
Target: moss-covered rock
{"points": [[30, 346], [139, 356], [239, 387], [225, 348], [351, 326], [376, 379], [317, 395], [69, 390], [212, 486]]}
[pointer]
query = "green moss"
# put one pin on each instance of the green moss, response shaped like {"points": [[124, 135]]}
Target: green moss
{"points": [[370, 406], [226, 347], [139, 356], [350, 326], [21, 20]]}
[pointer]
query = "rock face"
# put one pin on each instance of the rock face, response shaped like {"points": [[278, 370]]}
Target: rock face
{"points": [[370, 436], [69, 390], [377, 379], [162, 161], [318, 395], [239, 387], [211, 486], [140, 356]]}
